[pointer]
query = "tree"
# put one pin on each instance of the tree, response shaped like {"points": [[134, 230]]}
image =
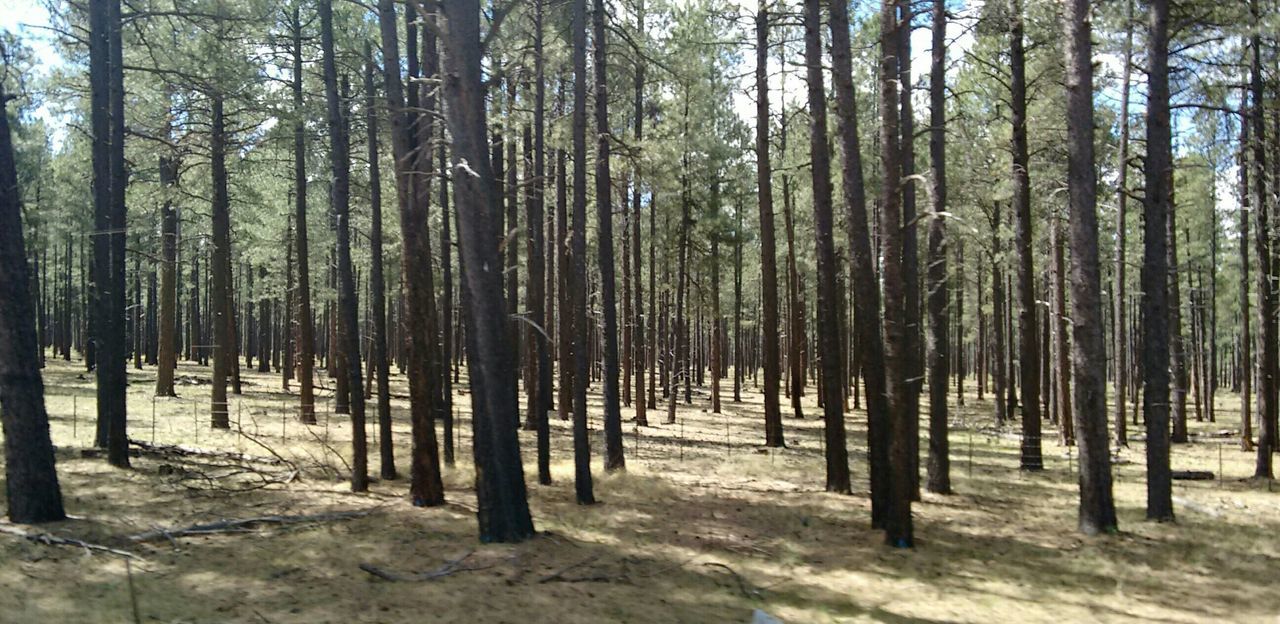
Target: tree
{"points": [[897, 519], [1097, 509], [31, 482], [500, 491], [540, 394], [939, 464], [1155, 311], [1029, 349], [106, 78], [578, 286], [426, 487], [339, 155], [306, 330], [379, 366], [614, 458], [1121, 346], [829, 316], [773, 435]]}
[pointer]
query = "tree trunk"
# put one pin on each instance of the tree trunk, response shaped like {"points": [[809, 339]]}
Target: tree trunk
{"points": [[32, 494], [379, 365], [582, 333], [1119, 285], [1088, 344], [1246, 340], [897, 519], [773, 435], [349, 328], [168, 326], [638, 357], [426, 488], [1155, 281], [540, 395], [1029, 348], [1267, 348], [828, 309], [939, 464], [306, 327], [614, 458], [500, 490]]}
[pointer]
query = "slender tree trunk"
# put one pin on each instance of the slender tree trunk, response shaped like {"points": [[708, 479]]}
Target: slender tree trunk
{"points": [[828, 309], [1267, 348], [1155, 281], [220, 269], [773, 435], [1029, 349], [581, 345], [379, 366], [1177, 345], [1060, 374], [168, 329], [1121, 344], [614, 458], [349, 328], [939, 463], [426, 488], [306, 327], [1246, 340], [540, 397], [638, 357]]}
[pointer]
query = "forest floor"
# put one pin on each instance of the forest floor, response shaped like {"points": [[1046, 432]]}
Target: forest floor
{"points": [[704, 526]]}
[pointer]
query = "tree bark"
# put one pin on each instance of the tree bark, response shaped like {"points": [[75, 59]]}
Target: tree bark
{"points": [[306, 327], [581, 344], [1029, 348], [939, 463], [614, 458]]}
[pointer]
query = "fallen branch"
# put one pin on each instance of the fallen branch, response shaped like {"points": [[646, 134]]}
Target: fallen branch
{"points": [[452, 566], [243, 525], [191, 451], [742, 583], [53, 540], [559, 575]]}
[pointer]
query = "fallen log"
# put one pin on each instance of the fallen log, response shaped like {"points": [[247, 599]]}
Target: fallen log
{"points": [[1192, 475], [243, 525]]}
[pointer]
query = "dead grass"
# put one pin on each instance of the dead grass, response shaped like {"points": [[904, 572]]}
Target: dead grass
{"points": [[705, 525]]}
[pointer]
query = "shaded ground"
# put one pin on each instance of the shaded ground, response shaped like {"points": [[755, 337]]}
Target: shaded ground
{"points": [[704, 527]]}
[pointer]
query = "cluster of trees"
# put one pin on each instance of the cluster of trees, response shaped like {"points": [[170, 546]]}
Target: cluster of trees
{"points": [[212, 128]]}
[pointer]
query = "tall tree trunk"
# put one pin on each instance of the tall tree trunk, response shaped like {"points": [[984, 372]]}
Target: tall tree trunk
{"points": [[1267, 348], [1246, 340], [349, 327], [540, 395], [1177, 345], [379, 365], [1088, 344], [998, 359], [939, 464], [426, 488], [773, 436], [1029, 348], [910, 245], [897, 519], [638, 357], [107, 95], [220, 270], [614, 458], [500, 490], [582, 333], [1119, 285], [32, 494], [1155, 282], [1060, 372], [306, 327], [828, 309]]}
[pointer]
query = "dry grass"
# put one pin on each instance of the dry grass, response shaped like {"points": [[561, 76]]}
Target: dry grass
{"points": [[704, 526]]}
